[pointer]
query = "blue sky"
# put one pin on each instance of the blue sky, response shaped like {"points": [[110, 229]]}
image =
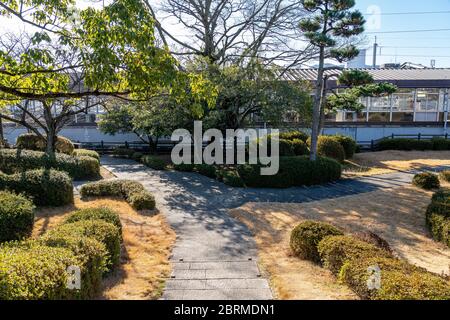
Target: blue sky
{"points": [[419, 47]]}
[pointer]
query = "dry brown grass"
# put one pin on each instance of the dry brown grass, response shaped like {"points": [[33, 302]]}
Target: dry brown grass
{"points": [[147, 243], [398, 215], [372, 163]]}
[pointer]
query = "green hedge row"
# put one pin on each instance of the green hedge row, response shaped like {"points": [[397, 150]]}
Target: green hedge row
{"points": [[79, 168], [44, 187], [86, 153], [152, 162], [351, 260], [133, 192], [414, 144], [293, 171], [38, 269], [16, 217], [30, 141], [438, 216]]}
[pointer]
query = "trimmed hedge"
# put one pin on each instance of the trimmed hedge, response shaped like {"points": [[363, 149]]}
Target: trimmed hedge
{"points": [[306, 236], [440, 144], [16, 217], [289, 145], [45, 187], [102, 231], [101, 213], [426, 180], [32, 271], [294, 135], [294, 171], [335, 251], [153, 162], [133, 192], [184, 167], [399, 280], [373, 238], [79, 168], [405, 144], [91, 258], [445, 175], [331, 148], [348, 143], [207, 170], [86, 153], [30, 141], [438, 216], [231, 178], [137, 156], [123, 152]]}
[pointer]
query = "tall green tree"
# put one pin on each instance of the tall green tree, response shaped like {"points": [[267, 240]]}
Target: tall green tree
{"points": [[74, 54], [329, 27]]}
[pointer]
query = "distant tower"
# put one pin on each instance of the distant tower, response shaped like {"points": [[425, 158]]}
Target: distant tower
{"points": [[358, 62]]}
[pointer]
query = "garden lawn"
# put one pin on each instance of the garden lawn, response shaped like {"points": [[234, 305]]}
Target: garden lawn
{"points": [[372, 163], [147, 244], [397, 215]]}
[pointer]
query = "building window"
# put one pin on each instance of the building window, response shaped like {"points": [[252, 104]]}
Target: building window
{"points": [[403, 100]]}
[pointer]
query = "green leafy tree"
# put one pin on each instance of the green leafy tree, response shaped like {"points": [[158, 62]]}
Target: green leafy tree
{"points": [[329, 27], [75, 54]]}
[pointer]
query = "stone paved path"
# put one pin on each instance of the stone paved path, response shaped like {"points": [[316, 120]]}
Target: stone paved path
{"points": [[215, 256]]}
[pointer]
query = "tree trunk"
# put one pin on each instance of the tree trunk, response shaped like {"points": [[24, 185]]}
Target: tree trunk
{"points": [[51, 132], [317, 105], [2, 137], [323, 104]]}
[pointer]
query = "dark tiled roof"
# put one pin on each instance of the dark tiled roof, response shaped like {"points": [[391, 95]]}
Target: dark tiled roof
{"points": [[378, 74]]}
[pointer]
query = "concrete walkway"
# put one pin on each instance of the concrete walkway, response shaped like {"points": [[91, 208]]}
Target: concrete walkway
{"points": [[215, 256]]}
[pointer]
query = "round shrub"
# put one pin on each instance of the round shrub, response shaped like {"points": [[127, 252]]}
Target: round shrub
{"points": [[16, 217], [100, 230], [154, 162], [445, 175], [349, 145], [300, 147], [329, 147], [30, 141], [373, 238], [101, 213], [103, 188], [294, 135], [399, 280], [426, 180], [293, 171], [32, 271], [89, 166], [45, 187], [307, 235], [335, 251], [91, 258], [438, 216], [286, 148], [86, 153], [206, 170], [143, 200], [232, 178]]}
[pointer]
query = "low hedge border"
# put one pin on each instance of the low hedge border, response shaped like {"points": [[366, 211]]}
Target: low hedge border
{"points": [[132, 191], [79, 168], [100, 213], [414, 144], [426, 180], [45, 187], [152, 162], [16, 217]]}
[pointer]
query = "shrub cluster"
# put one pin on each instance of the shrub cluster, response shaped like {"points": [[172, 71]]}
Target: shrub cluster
{"points": [[294, 135], [328, 146], [45, 187], [153, 162], [16, 217], [440, 144], [405, 144], [101, 213], [426, 180], [86, 153], [351, 259], [31, 270], [133, 192], [290, 143], [445, 175], [307, 235], [438, 216], [231, 178], [79, 168], [30, 141], [123, 152], [293, 171], [348, 143]]}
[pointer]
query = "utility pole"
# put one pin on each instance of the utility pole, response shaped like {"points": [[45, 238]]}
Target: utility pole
{"points": [[375, 47]]}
